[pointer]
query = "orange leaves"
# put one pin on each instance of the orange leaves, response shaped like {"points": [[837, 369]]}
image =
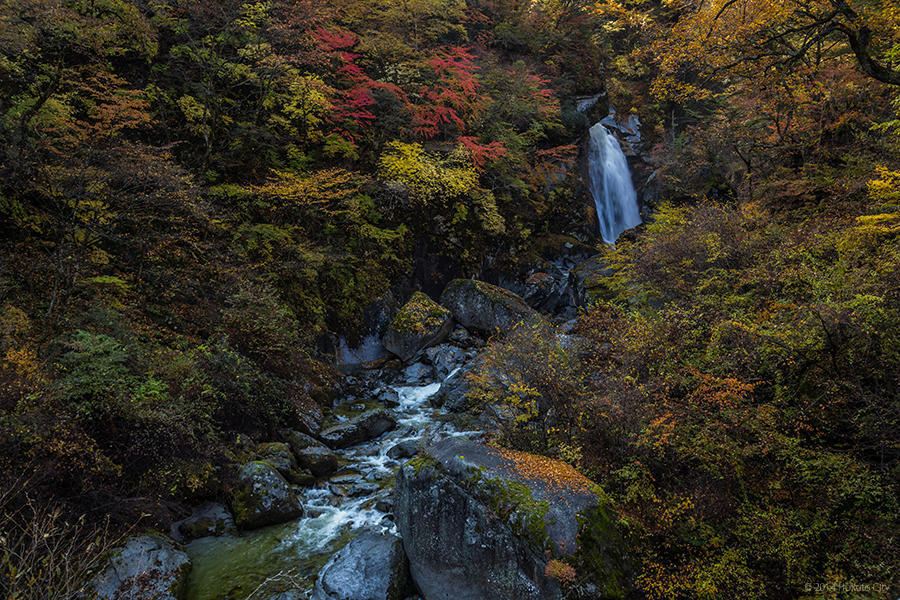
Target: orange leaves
{"points": [[555, 475]]}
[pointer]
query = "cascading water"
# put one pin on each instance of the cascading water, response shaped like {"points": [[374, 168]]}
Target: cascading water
{"points": [[610, 182]]}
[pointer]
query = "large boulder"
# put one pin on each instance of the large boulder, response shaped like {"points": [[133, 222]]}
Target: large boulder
{"points": [[149, 567], [421, 323], [479, 523], [311, 454], [263, 497], [367, 426], [479, 305], [371, 567]]}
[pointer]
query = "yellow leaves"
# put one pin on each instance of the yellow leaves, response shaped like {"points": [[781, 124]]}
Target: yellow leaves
{"points": [[426, 176], [327, 190]]}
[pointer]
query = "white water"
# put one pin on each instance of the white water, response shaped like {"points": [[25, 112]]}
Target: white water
{"points": [[240, 563], [610, 183]]}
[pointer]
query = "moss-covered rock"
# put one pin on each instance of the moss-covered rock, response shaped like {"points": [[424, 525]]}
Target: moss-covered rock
{"points": [[479, 305], [263, 497], [590, 280], [149, 567], [420, 323], [478, 522]]}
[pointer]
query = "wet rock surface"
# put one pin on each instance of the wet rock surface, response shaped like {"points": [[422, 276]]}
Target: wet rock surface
{"points": [[149, 567]]}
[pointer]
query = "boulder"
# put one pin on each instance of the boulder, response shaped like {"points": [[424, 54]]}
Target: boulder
{"points": [[421, 323], [371, 567], [445, 358], [405, 449], [479, 523], [206, 520], [462, 338], [263, 497], [486, 307], [417, 373], [589, 280], [389, 398], [311, 454], [453, 394], [149, 567], [367, 426]]}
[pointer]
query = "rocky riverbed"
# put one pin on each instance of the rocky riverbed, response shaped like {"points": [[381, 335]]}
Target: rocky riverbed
{"points": [[393, 495]]}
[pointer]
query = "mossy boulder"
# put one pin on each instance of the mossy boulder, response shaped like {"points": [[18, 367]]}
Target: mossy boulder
{"points": [[591, 279], [263, 497], [479, 522], [420, 323], [485, 307], [148, 567]]}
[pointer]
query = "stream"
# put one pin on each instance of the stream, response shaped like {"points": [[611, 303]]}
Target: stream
{"points": [[261, 563]]}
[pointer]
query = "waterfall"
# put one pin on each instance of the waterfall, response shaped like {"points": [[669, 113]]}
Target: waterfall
{"points": [[610, 183]]}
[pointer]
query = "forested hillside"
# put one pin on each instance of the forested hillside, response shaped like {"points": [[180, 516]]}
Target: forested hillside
{"points": [[201, 201]]}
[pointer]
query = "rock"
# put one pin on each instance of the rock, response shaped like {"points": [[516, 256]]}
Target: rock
{"points": [[462, 338], [480, 305], [363, 489], [367, 426], [371, 567], [405, 449], [548, 291], [417, 373], [453, 393], [421, 323], [263, 497], [149, 567], [389, 398], [589, 280], [445, 358], [206, 520], [460, 548], [277, 454], [311, 454]]}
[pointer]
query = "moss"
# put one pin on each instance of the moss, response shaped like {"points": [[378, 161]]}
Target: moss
{"points": [[513, 501], [601, 550], [423, 461], [421, 315]]}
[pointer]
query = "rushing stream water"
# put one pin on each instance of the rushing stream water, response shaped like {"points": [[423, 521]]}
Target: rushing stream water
{"points": [[290, 555]]}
